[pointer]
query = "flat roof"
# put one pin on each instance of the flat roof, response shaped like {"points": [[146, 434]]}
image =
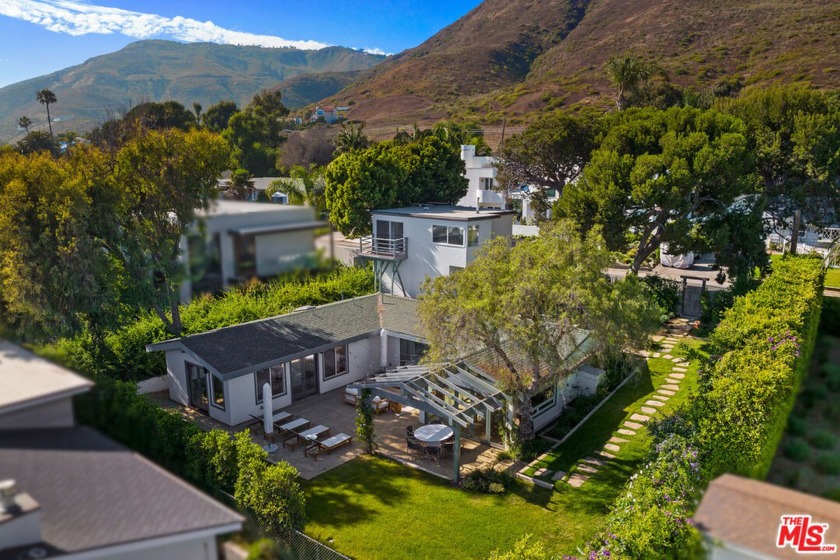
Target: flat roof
{"points": [[27, 379], [228, 207], [444, 212], [240, 349], [746, 513], [95, 493], [277, 228]]}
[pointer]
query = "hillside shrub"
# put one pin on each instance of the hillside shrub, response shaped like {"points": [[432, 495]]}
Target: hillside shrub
{"points": [[797, 450], [823, 439], [664, 293], [487, 481], [828, 464], [832, 375], [797, 426], [122, 353]]}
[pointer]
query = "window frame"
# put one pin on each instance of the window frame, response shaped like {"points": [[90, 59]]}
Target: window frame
{"points": [[470, 241], [333, 356], [213, 381], [449, 231], [271, 371]]}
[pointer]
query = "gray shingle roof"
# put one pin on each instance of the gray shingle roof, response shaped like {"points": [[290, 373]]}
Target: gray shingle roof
{"points": [[95, 493], [240, 349]]}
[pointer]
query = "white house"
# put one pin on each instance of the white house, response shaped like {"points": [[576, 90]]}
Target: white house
{"points": [[300, 354], [483, 192], [409, 244], [236, 240], [68, 491], [326, 112]]}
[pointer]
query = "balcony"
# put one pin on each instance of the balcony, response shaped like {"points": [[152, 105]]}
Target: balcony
{"points": [[382, 248]]}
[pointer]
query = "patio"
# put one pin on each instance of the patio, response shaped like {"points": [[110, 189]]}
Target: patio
{"points": [[329, 409]]}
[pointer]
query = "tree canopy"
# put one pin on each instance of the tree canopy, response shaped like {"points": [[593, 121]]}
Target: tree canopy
{"points": [[657, 176], [525, 305]]}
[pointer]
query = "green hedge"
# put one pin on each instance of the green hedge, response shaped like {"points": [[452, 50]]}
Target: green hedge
{"points": [[211, 460], [763, 347], [122, 354]]}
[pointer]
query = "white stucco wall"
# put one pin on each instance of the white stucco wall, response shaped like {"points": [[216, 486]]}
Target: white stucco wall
{"points": [[52, 414], [477, 168], [426, 258], [278, 252], [193, 549], [177, 376], [362, 360]]}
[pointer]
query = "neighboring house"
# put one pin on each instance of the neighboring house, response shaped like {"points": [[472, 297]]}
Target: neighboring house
{"points": [[818, 240], [326, 112], [234, 241], [261, 184], [301, 354], [741, 519], [409, 244], [315, 350], [70, 492]]}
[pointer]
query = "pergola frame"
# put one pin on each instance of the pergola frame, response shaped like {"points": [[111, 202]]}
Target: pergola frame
{"points": [[457, 392]]}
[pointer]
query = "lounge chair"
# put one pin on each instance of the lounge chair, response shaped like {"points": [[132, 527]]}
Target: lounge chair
{"points": [[306, 437], [328, 445]]}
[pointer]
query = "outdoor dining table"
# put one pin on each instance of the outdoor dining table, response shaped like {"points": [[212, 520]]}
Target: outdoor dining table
{"points": [[433, 433]]}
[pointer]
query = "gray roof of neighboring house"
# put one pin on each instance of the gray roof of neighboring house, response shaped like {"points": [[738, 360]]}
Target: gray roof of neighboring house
{"points": [[746, 513], [239, 349], [95, 493], [27, 379], [444, 212]]}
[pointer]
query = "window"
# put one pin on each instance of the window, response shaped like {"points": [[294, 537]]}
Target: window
{"points": [[411, 351], [218, 398], [335, 362], [245, 249], [472, 236], [543, 401], [274, 376], [450, 235], [486, 183]]}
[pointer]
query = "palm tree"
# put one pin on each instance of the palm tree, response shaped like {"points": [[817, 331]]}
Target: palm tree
{"points": [[240, 186], [46, 97], [25, 122], [628, 73], [351, 138]]}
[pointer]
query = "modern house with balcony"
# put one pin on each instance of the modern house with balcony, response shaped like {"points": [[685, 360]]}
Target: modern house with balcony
{"points": [[234, 241], [409, 244]]}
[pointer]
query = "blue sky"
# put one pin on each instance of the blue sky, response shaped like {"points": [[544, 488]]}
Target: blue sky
{"points": [[41, 36]]}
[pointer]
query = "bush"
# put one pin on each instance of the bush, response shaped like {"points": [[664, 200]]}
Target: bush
{"points": [[828, 464], [832, 494], [797, 450], [664, 293], [797, 426], [487, 481], [823, 440], [832, 375]]}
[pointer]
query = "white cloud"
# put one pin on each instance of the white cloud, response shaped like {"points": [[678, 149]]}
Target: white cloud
{"points": [[76, 18]]}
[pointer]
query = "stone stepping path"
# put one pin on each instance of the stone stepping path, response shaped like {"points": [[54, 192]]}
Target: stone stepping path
{"points": [[590, 465]]}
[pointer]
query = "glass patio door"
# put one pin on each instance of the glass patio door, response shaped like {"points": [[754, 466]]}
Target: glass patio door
{"points": [[197, 384], [303, 375]]}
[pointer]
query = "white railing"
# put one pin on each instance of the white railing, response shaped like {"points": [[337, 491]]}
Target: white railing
{"points": [[370, 245]]}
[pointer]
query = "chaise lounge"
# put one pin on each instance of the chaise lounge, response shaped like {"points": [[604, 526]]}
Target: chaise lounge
{"points": [[327, 445]]}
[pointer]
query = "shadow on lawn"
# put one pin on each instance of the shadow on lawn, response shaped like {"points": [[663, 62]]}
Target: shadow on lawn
{"points": [[334, 492]]}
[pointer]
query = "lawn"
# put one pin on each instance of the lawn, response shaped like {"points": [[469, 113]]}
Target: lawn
{"points": [[375, 508], [832, 278]]}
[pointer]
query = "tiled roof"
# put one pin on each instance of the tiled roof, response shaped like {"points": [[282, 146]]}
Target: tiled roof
{"points": [[95, 493]]}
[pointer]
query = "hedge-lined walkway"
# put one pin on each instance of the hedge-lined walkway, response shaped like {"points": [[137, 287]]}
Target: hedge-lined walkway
{"points": [[615, 437]]}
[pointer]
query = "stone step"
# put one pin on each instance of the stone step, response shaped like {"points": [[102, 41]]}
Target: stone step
{"points": [[542, 472], [594, 461], [666, 392], [679, 369], [616, 439], [671, 381], [656, 355], [668, 357], [647, 410], [606, 454], [611, 447], [558, 475], [577, 480], [655, 403], [626, 432], [591, 469], [640, 418], [633, 425], [677, 375]]}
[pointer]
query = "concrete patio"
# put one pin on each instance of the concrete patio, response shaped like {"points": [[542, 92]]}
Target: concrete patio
{"points": [[329, 409]]}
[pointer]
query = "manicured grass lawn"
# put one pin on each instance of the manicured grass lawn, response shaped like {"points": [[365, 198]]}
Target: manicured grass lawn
{"points": [[832, 278], [374, 508]]}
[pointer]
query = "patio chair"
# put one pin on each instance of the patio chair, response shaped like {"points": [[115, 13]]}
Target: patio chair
{"points": [[448, 448], [328, 445], [409, 431], [380, 405], [434, 452], [415, 448]]}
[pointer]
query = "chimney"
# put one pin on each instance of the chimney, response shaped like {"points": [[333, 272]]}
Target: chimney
{"points": [[20, 517]]}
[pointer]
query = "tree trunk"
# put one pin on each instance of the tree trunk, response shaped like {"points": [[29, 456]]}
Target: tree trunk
{"points": [[525, 419], [794, 236], [49, 122]]}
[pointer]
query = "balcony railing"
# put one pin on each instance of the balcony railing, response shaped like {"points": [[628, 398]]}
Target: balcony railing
{"points": [[379, 246]]}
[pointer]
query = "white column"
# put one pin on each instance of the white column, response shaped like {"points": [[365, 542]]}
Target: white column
{"points": [[383, 348]]}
